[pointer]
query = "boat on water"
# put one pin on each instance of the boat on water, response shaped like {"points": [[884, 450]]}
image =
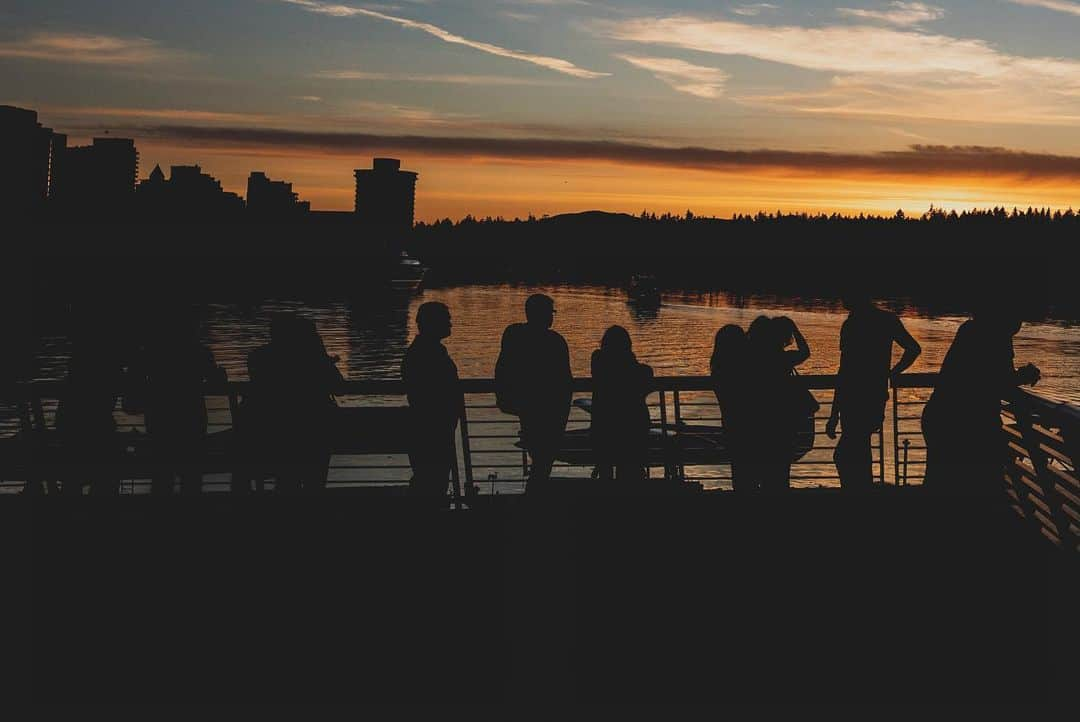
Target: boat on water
{"points": [[407, 274], [642, 290]]}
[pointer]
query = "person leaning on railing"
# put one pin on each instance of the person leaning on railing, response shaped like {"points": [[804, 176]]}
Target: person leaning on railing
{"points": [[620, 415], [962, 421]]}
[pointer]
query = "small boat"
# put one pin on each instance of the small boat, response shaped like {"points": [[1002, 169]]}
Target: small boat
{"points": [[407, 274], [643, 291]]}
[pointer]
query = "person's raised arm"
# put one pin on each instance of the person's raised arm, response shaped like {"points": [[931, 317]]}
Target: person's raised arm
{"points": [[911, 347], [802, 348]]}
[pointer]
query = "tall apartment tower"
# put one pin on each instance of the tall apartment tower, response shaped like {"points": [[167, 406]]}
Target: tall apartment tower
{"points": [[98, 178], [386, 196], [26, 153]]}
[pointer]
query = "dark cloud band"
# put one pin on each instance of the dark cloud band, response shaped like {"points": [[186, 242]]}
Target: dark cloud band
{"points": [[917, 160]]}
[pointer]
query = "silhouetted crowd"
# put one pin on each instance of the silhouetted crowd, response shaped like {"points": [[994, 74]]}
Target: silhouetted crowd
{"points": [[285, 424]]}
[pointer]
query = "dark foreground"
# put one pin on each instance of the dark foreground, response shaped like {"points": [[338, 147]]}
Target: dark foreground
{"points": [[709, 598]]}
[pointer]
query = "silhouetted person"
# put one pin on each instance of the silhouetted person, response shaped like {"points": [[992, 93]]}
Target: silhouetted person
{"points": [[966, 449], [172, 369], [436, 403], [293, 383], [862, 387], [535, 384], [84, 418], [778, 404], [620, 416], [729, 370]]}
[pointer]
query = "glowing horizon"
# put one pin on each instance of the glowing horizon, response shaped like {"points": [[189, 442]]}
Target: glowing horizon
{"points": [[514, 108]]}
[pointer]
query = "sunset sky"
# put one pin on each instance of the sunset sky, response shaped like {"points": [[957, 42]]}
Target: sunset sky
{"points": [[511, 107]]}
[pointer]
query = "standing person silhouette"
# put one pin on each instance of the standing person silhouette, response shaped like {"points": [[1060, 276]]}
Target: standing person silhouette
{"points": [[294, 381], [436, 404], [862, 386], [534, 383], [85, 424], [728, 369], [172, 369], [777, 405], [966, 449], [620, 416]]}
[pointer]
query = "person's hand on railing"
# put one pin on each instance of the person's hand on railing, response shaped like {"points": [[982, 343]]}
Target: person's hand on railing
{"points": [[1028, 375]]}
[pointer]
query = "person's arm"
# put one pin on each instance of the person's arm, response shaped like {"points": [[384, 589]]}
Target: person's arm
{"points": [[911, 347], [802, 348], [212, 373]]}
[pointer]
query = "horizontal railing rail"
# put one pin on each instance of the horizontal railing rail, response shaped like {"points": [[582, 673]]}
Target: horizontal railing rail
{"points": [[1043, 435]]}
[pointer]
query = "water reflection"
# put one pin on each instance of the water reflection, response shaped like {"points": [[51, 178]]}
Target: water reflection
{"points": [[370, 334]]}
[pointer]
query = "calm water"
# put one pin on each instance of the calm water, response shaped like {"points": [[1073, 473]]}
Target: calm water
{"points": [[371, 338]]}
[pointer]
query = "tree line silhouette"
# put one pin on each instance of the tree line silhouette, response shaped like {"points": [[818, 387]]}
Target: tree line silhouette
{"points": [[937, 258]]}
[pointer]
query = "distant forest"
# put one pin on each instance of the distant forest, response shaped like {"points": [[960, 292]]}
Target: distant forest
{"points": [[938, 256]]}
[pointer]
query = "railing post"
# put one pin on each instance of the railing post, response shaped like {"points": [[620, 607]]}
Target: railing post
{"points": [[680, 469], [896, 439], [466, 452]]}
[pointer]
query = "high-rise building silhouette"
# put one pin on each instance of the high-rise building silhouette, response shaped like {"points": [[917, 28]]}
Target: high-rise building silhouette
{"points": [[25, 158], [269, 198], [386, 196], [97, 178], [188, 194]]}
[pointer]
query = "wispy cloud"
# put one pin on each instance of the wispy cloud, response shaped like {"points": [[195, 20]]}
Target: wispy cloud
{"points": [[880, 70], [520, 17], [754, 9], [449, 79], [917, 161], [1064, 6], [87, 49], [347, 11], [837, 48], [684, 77], [898, 13]]}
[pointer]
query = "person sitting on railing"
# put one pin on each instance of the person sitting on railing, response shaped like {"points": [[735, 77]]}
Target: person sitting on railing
{"points": [[534, 382], [728, 368], [293, 382], [436, 403], [962, 420], [169, 375], [84, 418], [777, 404], [862, 386], [620, 416]]}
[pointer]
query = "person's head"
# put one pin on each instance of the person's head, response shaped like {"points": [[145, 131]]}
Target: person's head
{"points": [[760, 332], [1000, 320], [730, 341], [997, 313], [783, 329], [433, 319], [281, 327], [540, 310], [616, 340], [173, 324], [855, 295]]}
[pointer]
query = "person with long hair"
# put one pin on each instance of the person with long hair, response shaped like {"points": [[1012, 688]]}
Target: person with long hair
{"points": [[620, 415], [776, 405], [294, 380], [728, 369]]}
